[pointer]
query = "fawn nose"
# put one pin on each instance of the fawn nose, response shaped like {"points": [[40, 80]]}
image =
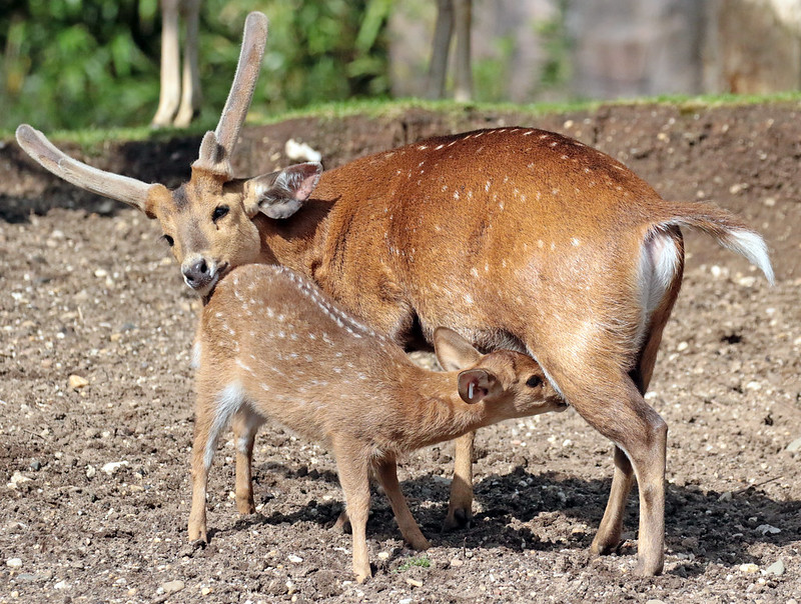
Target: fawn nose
{"points": [[197, 274]]}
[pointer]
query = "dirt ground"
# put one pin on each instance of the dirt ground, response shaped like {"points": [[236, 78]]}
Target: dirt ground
{"points": [[96, 403]]}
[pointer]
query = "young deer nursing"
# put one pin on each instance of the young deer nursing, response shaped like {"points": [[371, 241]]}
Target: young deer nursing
{"points": [[270, 345], [518, 238]]}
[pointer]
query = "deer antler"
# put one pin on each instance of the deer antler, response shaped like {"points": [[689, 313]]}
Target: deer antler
{"points": [[218, 146], [122, 188]]}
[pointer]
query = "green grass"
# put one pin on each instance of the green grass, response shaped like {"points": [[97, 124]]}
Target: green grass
{"points": [[420, 561], [91, 138]]}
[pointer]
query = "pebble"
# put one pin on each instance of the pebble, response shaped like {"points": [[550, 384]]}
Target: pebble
{"points": [[14, 562], [655, 602], [414, 582], [749, 568], [91, 471], [61, 585], [795, 445], [76, 382], [777, 568], [383, 555], [172, 586], [295, 559], [111, 467], [456, 562], [205, 591], [17, 479], [766, 528]]}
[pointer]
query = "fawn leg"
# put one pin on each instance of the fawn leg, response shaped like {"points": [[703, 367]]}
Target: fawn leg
{"points": [[210, 419], [387, 472], [245, 424], [354, 476], [460, 505]]}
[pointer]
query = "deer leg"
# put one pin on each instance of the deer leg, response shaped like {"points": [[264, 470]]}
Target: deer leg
{"points": [[387, 472], [613, 405], [354, 476], [460, 505], [210, 420], [190, 78], [169, 87], [245, 425]]}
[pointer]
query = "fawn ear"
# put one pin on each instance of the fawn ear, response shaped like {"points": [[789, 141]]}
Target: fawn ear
{"points": [[477, 384], [281, 194], [454, 353]]}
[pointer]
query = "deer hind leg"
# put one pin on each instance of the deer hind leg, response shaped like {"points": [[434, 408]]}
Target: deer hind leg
{"points": [[619, 412], [245, 425], [190, 78], [663, 260], [354, 476], [212, 415], [170, 84], [460, 505], [387, 473]]}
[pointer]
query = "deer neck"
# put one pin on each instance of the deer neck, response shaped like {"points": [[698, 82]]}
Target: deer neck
{"points": [[435, 412]]}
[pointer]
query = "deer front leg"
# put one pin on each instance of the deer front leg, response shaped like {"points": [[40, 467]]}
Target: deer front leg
{"points": [[354, 476], [387, 472], [460, 506], [245, 425]]}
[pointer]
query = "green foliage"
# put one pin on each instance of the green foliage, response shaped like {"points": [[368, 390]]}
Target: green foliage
{"points": [[95, 63]]}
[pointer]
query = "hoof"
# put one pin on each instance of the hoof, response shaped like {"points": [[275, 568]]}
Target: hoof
{"points": [[459, 519]]}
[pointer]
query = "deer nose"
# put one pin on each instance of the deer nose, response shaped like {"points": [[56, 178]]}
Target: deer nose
{"points": [[197, 274]]}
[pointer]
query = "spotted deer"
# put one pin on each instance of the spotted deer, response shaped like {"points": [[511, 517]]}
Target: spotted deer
{"points": [[271, 345], [514, 237]]}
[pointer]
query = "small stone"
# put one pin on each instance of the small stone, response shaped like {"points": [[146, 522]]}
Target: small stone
{"points": [[456, 562], [383, 555], [654, 602], [61, 585], [777, 568], [17, 479], [171, 587], [91, 471], [727, 496], [205, 591], [682, 346], [111, 467], [77, 382], [749, 568], [414, 582], [14, 562], [795, 445], [36, 465], [766, 528], [294, 559]]}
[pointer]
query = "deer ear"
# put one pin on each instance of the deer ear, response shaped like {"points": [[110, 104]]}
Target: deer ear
{"points": [[281, 194], [477, 384], [454, 353]]}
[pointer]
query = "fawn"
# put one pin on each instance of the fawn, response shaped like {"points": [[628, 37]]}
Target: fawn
{"points": [[520, 238], [271, 345]]}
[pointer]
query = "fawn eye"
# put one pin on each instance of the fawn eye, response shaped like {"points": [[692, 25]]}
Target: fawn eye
{"points": [[219, 212], [170, 241], [534, 381]]}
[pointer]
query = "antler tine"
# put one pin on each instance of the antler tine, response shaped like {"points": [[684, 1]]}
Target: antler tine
{"points": [[122, 188], [215, 154]]}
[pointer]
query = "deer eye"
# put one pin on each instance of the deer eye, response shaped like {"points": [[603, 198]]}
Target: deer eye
{"points": [[170, 241], [534, 381], [219, 212]]}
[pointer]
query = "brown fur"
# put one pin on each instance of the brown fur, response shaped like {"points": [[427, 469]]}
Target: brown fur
{"points": [[310, 366], [514, 237]]}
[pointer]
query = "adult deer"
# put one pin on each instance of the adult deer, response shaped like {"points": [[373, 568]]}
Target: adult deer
{"points": [[516, 238]]}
